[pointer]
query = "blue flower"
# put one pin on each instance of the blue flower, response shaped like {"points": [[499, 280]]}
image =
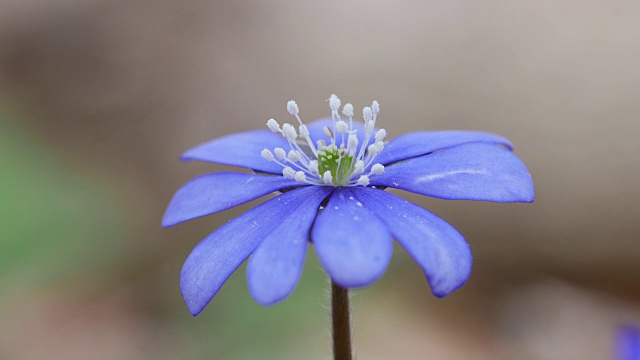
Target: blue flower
{"points": [[331, 177]]}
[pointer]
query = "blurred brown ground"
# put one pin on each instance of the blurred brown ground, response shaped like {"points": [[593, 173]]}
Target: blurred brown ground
{"points": [[122, 88]]}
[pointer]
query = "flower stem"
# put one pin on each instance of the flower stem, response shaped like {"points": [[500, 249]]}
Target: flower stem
{"points": [[340, 322]]}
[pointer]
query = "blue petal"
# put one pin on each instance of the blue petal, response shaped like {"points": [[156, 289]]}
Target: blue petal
{"points": [[208, 194], [316, 132], [628, 343], [219, 254], [439, 249], [275, 267], [425, 142], [473, 171], [241, 149], [353, 245]]}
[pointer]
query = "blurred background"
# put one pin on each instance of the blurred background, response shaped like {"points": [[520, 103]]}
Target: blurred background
{"points": [[99, 98]]}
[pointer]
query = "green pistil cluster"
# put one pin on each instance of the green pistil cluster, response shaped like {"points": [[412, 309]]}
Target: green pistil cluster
{"points": [[338, 162]]}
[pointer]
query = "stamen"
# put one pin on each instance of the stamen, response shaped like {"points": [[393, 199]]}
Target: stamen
{"points": [[363, 180], [327, 132], [377, 169], [292, 108], [280, 153], [375, 107], [368, 127], [381, 134], [313, 166], [347, 110], [379, 146], [372, 150], [273, 125], [352, 144], [293, 156], [367, 114], [342, 127], [289, 132], [334, 102], [358, 168], [288, 172], [267, 155], [300, 176]]}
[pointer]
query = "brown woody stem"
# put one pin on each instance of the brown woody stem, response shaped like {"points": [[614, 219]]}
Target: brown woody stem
{"points": [[340, 322]]}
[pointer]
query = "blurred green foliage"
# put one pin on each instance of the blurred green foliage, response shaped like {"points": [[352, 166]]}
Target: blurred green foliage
{"points": [[233, 326], [54, 219]]}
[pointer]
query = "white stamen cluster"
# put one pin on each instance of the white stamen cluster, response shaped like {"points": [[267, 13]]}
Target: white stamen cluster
{"points": [[339, 163]]}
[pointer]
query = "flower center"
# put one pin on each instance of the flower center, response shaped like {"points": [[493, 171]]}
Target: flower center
{"points": [[342, 162], [337, 162]]}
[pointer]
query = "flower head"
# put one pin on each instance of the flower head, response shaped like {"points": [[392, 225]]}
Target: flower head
{"points": [[331, 176]]}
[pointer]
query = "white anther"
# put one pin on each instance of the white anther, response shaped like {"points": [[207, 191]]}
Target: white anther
{"points": [[377, 169], [327, 132], [304, 132], [375, 106], [273, 125], [347, 110], [381, 134], [368, 127], [363, 180], [327, 178], [321, 144], [334, 102], [353, 142], [289, 132], [372, 150], [379, 146], [288, 172], [293, 156], [292, 107], [367, 114], [300, 176], [313, 166], [358, 168], [342, 127], [280, 153], [267, 155]]}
